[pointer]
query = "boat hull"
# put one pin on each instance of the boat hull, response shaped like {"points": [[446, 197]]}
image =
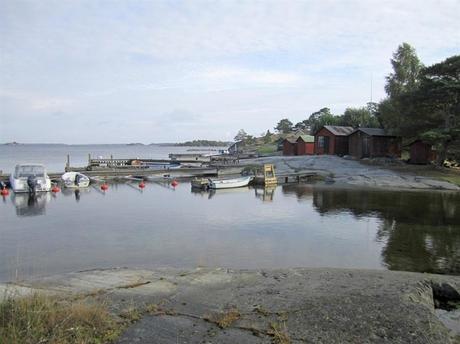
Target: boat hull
{"points": [[229, 183], [69, 180], [19, 185]]}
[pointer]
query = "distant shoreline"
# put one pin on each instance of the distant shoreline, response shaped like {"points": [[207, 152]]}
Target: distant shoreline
{"points": [[166, 144]]}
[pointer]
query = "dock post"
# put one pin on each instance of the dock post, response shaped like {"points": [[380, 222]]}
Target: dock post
{"points": [[67, 165]]}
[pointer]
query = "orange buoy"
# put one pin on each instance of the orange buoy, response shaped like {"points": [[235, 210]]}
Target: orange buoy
{"points": [[4, 192], [174, 183], [104, 186], [55, 189], [142, 185]]}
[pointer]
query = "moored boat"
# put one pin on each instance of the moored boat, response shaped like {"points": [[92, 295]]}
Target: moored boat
{"points": [[30, 178], [200, 183], [75, 180], [229, 183]]}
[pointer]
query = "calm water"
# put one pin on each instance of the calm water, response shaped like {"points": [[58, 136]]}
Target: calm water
{"points": [[290, 226], [55, 156]]}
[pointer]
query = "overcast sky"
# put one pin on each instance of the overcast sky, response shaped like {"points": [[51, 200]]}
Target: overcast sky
{"points": [[162, 71]]}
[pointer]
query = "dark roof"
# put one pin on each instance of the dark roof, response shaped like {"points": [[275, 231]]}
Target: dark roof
{"points": [[306, 138], [373, 132], [290, 139], [338, 130]]}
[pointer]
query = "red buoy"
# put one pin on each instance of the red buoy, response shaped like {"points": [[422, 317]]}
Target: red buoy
{"points": [[104, 186], [55, 189], [4, 192], [142, 185], [174, 183]]}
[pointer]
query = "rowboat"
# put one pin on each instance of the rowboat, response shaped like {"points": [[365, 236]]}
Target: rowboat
{"points": [[75, 180], [229, 183]]}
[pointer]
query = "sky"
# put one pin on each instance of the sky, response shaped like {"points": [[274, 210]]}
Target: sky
{"points": [[170, 71]]}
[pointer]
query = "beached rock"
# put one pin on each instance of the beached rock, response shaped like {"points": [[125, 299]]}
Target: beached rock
{"points": [[264, 306]]}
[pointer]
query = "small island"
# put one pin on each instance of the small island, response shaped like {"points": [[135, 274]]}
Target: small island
{"points": [[203, 143]]}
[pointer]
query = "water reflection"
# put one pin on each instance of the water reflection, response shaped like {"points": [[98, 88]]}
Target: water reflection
{"points": [[31, 204], [421, 230], [292, 225], [265, 194]]}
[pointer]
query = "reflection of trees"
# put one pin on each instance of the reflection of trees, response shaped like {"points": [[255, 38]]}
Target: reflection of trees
{"points": [[421, 229], [419, 247], [302, 191], [433, 208]]}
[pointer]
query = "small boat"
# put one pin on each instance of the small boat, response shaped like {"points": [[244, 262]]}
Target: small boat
{"points": [[200, 183], [30, 178], [75, 180], [229, 183]]}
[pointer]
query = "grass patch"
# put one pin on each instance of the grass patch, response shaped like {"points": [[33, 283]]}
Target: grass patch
{"points": [[267, 149], [225, 319], [279, 333], [44, 319]]}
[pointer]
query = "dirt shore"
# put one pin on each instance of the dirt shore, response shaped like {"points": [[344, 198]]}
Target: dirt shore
{"points": [[352, 172], [264, 306]]}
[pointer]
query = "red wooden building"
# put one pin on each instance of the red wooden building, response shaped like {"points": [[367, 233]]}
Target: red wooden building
{"points": [[305, 145], [289, 146], [332, 139], [300, 145], [421, 152], [373, 142]]}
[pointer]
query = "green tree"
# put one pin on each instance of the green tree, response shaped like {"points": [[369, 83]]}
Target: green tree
{"points": [[249, 140], [299, 125], [359, 117], [321, 117], [267, 137], [406, 70], [284, 126], [432, 111], [241, 135], [404, 79]]}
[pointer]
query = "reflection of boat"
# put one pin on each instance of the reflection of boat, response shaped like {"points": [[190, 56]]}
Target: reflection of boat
{"points": [[31, 204], [229, 183], [75, 180], [30, 178], [200, 183]]}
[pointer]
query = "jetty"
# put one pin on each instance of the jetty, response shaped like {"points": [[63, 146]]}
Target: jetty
{"points": [[177, 166]]}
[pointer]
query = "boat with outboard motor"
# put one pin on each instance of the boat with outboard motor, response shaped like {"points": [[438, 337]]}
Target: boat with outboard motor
{"points": [[75, 180], [30, 178]]}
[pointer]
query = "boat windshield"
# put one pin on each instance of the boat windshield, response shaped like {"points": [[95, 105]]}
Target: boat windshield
{"points": [[25, 171]]}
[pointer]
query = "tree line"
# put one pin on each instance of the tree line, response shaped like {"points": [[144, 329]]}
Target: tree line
{"points": [[421, 103]]}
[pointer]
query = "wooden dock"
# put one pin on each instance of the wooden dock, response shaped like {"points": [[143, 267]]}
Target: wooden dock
{"points": [[146, 172], [287, 178]]}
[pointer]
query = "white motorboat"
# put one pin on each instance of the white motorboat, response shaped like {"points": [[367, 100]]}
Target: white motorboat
{"points": [[30, 178], [229, 183], [75, 180]]}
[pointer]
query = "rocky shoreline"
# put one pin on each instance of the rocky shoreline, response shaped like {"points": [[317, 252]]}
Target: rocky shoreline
{"points": [[351, 172], [297, 305]]}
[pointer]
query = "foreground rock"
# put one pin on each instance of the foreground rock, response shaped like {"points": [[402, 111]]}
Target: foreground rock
{"points": [[264, 306], [351, 172]]}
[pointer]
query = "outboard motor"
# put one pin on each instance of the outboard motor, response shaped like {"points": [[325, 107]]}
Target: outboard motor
{"points": [[77, 179], [32, 184]]}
